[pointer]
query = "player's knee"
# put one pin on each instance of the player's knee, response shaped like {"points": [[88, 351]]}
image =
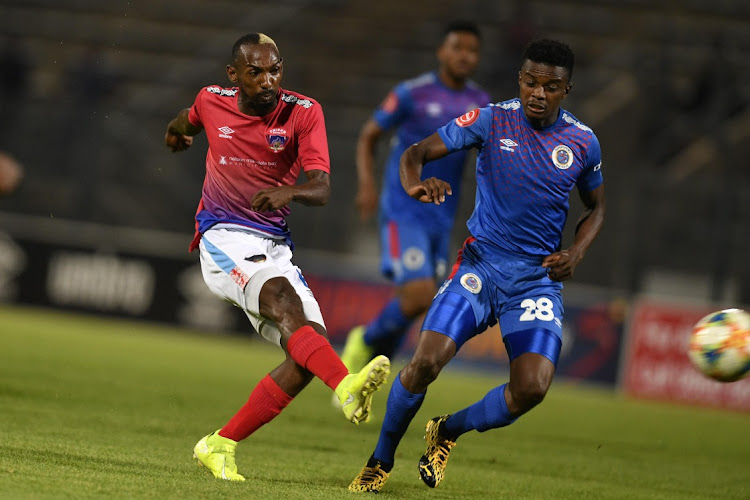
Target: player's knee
{"points": [[528, 394], [424, 369], [279, 300]]}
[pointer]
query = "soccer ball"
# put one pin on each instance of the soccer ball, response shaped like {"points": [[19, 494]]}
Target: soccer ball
{"points": [[720, 345]]}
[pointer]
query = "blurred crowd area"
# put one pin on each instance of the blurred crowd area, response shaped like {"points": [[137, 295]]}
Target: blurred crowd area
{"points": [[88, 87]]}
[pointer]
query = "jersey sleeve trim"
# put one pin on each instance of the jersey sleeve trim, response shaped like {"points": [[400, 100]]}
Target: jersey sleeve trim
{"points": [[395, 107], [194, 115], [591, 177]]}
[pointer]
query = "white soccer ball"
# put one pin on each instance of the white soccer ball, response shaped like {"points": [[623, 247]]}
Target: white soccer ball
{"points": [[720, 345]]}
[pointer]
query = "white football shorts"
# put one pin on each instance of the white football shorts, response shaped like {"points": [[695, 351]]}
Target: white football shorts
{"points": [[237, 263]]}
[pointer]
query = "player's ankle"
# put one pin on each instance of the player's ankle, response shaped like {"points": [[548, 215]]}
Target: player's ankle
{"points": [[374, 462], [443, 432]]}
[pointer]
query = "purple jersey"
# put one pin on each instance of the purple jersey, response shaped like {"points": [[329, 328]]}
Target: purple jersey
{"points": [[418, 107], [524, 174]]}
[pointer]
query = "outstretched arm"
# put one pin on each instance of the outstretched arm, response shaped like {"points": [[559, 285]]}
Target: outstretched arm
{"points": [[432, 190], [314, 192], [180, 132], [561, 265], [367, 192]]}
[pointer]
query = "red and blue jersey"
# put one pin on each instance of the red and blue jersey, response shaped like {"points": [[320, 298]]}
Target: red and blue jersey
{"points": [[417, 108], [524, 174], [250, 153]]}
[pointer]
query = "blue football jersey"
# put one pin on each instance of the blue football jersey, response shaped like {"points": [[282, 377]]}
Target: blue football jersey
{"points": [[524, 174], [418, 107]]}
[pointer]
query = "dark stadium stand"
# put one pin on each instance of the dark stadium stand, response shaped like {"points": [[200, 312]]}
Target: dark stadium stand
{"points": [[674, 128]]}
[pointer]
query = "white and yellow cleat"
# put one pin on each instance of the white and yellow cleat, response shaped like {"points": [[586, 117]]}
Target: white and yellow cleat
{"points": [[356, 389], [216, 453]]}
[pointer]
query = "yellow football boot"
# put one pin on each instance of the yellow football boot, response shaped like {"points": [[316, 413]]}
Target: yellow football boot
{"points": [[216, 453], [356, 389], [369, 479], [435, 459]]}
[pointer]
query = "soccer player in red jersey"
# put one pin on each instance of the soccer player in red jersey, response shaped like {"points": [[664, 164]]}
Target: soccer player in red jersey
{"points": [[259, 138]]}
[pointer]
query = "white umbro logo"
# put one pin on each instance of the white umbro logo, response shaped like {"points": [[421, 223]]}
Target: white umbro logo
{"points": [[225, 131], [508, 144]]}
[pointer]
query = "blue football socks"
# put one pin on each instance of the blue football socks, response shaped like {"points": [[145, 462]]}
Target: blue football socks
{"points": [[488, 413], [400, 410]]}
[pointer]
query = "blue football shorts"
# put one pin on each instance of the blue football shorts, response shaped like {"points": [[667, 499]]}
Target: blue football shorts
{"points": [[410, 251], [512, 289]]}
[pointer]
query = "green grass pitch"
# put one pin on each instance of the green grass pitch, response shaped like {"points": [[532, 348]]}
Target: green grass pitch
{"points": [[102, 408]]}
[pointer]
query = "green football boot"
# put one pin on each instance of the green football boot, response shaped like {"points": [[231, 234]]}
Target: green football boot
{"points": [[216, 453], [355, 391]]}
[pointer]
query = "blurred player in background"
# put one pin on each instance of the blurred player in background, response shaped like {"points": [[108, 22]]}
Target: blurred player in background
{"points": [[414, 238], [531, 155], [11, 174], [260, 136]]}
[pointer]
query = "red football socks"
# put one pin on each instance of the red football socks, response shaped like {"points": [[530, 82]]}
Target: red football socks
{"points": [[265, 402], [313, 351]]}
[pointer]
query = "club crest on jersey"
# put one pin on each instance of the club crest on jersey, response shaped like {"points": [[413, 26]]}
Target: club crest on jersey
{"points": [[471, 282], [467, 119], [277, 139], [562, 157]]}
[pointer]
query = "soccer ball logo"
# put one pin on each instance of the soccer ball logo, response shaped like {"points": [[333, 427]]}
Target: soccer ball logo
{"points": [[720, 345]]}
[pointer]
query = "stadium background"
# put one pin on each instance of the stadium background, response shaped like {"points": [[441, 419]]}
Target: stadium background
{"points": [[102, 220]]}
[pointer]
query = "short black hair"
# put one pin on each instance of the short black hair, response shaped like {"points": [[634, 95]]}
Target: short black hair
{"points": [[552, 52], [462, 27], [250, 39]]}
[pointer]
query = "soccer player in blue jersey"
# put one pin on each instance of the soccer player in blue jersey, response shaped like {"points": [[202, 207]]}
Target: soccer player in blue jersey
{"points": [[414, 238], [531, 155]]}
